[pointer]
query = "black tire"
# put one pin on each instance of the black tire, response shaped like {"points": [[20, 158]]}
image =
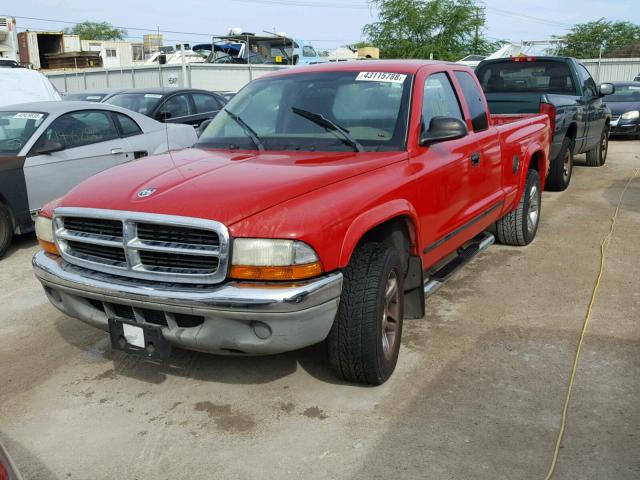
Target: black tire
{"points": [[597, 156], [519, 227], [561, 168], [6, 229], [356, 343]]}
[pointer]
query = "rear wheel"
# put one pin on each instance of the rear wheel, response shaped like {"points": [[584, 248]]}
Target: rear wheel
{"points": [[6, 229], [364, 341], [519, 227], [597, 156], [561, 168]]}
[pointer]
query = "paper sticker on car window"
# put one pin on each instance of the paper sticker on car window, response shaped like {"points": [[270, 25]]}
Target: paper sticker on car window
{"points": [[388, 77], [94, 97], [152, 95], [29, 115]]}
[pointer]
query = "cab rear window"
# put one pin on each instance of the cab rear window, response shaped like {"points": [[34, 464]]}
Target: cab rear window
{"points": [[513, 77]]}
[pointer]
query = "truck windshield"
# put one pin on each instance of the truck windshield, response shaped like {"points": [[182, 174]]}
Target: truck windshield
{"points": [[625, 93], [143, 103], [16, 129], [363, 110], [530, 77]]}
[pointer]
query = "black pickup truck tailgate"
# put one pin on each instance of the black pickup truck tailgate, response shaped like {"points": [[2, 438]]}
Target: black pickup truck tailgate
{"points": [[501, 103]]}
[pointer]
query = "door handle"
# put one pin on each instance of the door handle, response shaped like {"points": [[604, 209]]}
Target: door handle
{"points": [[475, 159], [116, 150]]}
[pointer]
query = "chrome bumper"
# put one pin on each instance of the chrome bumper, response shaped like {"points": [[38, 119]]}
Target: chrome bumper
{"points": [[238, 317]]}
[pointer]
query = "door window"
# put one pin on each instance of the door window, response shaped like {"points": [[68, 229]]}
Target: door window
{"points": [[474, 98], [588, 85], [128, 127], [81, 128], [308, 51], [177, 106], [205, 103], [440, 99]]}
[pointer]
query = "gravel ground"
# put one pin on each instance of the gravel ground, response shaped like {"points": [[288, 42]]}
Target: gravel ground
{"points": [[477, 393]]}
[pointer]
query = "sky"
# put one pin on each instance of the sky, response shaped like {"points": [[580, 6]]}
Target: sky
{"points": [[327, 24]]}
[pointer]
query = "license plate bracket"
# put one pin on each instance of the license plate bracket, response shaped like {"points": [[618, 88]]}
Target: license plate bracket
{"points": [[138, 339]]}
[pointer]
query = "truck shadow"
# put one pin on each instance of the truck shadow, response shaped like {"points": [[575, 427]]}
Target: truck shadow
{"points": [[19, 243], [28, 464], [95, 345]]}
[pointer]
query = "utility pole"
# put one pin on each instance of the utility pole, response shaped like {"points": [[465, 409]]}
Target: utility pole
{"points": [[479, 21]]}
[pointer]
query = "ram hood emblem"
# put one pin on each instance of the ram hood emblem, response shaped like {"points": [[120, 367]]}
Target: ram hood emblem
{"points": [[147, 192]]}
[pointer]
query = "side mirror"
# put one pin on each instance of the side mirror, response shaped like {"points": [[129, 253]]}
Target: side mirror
{"points": [[442, 129], [606, 89], [203, 126], [48, 147], [162, 116]]}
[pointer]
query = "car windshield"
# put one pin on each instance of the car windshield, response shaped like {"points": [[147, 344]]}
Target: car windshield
{"points": [[143, 103], [625, 93], [513, 77], [16, 128], [338, 108]]}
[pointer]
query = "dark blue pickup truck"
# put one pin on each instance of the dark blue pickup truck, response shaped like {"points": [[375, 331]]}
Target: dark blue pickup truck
{"points": [[563, 88]]}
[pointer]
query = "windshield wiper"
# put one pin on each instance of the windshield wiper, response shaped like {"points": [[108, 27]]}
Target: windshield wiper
{"points": [[330, 126], [251, 133]]}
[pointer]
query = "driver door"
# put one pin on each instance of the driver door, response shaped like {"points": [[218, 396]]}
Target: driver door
{"points": [[89, 144]]}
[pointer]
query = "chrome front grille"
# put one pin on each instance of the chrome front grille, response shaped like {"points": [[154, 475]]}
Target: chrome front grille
{"points": [[143, 245]]}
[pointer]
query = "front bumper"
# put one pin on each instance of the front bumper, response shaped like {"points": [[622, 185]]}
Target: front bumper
{"points": [[231, 318], [622, 128]]}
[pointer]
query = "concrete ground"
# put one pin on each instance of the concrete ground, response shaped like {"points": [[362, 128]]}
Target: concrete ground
{"points": [[477, 394]]}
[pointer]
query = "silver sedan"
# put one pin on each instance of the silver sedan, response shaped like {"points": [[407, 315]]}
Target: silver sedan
{"points": [[47, 148]]}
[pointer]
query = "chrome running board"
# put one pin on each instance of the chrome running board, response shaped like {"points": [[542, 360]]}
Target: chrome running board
{"points": [[464, 256]]}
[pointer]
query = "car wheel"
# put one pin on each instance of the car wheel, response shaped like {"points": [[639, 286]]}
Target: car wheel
{"points": [[519, 227], [561, 168], [597, 156], [364, 341], [6, 229]]}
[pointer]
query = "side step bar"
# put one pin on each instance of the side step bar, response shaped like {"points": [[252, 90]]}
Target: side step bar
{"points": [[464, 256]]}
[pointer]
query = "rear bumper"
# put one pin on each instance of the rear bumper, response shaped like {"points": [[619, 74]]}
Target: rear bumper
{"points": [[233, 318]]}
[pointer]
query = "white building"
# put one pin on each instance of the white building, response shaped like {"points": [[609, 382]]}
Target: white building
{"points": [[116, 53]]}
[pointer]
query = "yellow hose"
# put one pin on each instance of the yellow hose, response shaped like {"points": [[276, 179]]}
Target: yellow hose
{"points": [[585, 325]]}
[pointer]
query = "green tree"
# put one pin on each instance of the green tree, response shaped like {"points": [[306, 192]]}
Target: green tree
{"points": [[446, 29], [585, 39], [97, 31]]}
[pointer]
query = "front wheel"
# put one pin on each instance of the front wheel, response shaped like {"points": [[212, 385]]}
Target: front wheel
{"points": [[597, 156], [6, 229], [364, 341], [519, 227]]}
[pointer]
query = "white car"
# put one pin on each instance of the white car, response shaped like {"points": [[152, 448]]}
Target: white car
{"points": [[47, 148], [20, 85]]}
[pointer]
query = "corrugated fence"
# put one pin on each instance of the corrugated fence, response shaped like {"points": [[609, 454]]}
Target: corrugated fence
{"points": [[208, 76], [222, 77]]}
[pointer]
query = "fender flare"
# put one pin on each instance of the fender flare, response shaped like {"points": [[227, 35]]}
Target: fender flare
{"points": [[374, 217], [543, 166]]}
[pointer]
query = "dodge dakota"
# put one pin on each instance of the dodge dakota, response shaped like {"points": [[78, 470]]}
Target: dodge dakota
{"points": [[322, 204]]}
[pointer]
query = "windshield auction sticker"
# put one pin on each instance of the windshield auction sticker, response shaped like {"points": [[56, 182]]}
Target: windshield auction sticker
{"points": [[381, 77], [28, 115]]}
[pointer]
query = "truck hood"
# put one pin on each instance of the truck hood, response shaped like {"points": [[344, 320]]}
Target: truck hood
{"points": [[221, 185], [618, 108]]}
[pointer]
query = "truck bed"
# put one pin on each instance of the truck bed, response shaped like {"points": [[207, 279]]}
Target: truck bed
{"points": [[505, 118]]}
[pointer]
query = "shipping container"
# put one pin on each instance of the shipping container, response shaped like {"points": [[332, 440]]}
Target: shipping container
{"points": [[34, 46]]}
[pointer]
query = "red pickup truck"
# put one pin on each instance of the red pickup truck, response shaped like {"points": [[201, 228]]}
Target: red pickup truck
{"points": [[321, 204]]}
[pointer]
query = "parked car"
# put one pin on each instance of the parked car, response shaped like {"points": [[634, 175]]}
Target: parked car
{"points": [[561, 87], [20, 85], [625, 109], [637, 78], [321, 204], [186, 105], [46, 148], [8, 469], [98, 96], [5, 62]]}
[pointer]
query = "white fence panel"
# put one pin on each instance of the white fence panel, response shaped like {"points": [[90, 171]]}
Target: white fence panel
{"points": [[613, 69], [217, 77]]}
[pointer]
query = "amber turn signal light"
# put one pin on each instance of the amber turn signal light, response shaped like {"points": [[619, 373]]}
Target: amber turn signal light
{"points": [[49, 247], [292, 272]]}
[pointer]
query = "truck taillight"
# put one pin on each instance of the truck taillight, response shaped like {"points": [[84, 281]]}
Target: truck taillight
{"points": [[523, 59], [550, 110]]}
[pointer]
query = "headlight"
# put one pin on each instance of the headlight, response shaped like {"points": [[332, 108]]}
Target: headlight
{"points": [[632, 115], [44, 232], [272, 259]]}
